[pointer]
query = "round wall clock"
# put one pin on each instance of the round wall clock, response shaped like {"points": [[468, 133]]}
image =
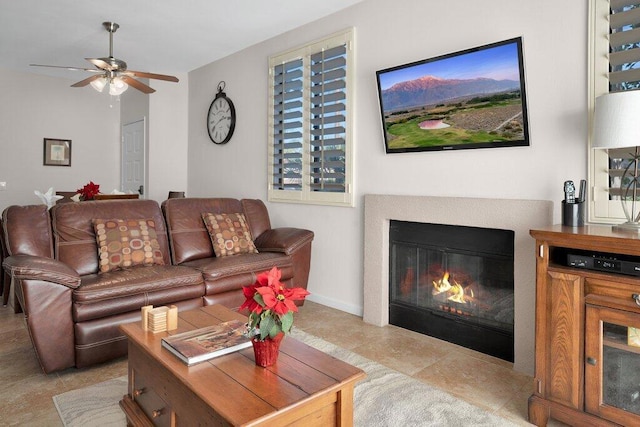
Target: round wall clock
{"points": [[221, 119]]}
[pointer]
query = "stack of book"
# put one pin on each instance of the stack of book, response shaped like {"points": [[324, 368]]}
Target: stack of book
{"points": [[206, 343]]}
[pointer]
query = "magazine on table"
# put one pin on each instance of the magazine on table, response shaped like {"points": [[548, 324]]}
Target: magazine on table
{"points": [[206, 343]]}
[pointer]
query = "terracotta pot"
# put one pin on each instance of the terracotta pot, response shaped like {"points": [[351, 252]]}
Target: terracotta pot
{"points": [[266, 352]]}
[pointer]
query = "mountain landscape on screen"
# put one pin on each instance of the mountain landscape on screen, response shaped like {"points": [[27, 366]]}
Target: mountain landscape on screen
{"points": [[433, 90], [474, 98]]}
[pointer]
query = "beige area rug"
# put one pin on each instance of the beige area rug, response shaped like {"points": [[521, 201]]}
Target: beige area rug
{"points": [[384, 398]]}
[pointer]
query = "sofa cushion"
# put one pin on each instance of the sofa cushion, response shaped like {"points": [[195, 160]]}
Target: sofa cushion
{"points": [[231, 273], [106, 294], [126, 243], [229, 233], [187, 232], [74, 236]]}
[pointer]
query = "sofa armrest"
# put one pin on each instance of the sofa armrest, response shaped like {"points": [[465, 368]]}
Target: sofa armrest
{"points": [[286, 240], [44, 288], [293, 242], [29, 267]]}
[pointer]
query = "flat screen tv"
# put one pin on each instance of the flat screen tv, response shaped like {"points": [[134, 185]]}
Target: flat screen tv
{"points": [[474, 98]]}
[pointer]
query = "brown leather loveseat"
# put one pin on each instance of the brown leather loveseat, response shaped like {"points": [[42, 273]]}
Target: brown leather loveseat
{"points": [[73, 302]]}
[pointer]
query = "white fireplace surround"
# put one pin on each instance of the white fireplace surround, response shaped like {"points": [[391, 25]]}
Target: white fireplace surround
{"points": [[517, 215]]}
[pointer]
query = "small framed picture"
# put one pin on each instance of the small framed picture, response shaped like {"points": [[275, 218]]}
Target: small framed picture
{"points": [[57, 152]]}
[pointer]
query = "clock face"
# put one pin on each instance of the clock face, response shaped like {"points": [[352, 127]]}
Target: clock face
{"points": [[221, 120]]}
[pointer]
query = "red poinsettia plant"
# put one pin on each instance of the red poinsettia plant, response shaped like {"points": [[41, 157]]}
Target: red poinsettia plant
{"points": [[89, 191], [271, 305]]}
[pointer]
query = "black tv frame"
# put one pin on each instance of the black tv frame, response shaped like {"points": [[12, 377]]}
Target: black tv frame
{"points": [[422, 112]]}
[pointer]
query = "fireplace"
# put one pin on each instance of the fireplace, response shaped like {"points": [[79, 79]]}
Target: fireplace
{"points": [[454, 283], [511, 214]]}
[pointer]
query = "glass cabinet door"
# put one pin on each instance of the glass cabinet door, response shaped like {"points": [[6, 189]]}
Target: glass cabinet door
{"points": [[612, 364]]}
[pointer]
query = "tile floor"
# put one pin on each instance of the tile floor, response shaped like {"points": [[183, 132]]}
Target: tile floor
{"points": [[25, 392]]}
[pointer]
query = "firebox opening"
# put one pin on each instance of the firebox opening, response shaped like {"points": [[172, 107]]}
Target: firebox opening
{"points": [[454, 283]]}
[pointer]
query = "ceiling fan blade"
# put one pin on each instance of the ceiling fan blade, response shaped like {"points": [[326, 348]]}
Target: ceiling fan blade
{"points": [[136, 84], [100, 63], [145, 75], [91, 70], [86, 81]]}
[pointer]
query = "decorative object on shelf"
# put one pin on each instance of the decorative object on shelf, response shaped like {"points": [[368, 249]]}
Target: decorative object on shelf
{"points": [[113, 72], [49, 198], [573, 205], [57, 152], [89, 191], [616, 126], [221, 118], [159, 319], [271, 305]]}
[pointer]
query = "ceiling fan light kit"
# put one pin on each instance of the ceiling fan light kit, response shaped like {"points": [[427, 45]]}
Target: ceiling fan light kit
{"points": [[117, 86], [113, 72]]}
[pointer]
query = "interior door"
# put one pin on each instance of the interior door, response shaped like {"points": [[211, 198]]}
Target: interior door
{"points": [[133, 165]]}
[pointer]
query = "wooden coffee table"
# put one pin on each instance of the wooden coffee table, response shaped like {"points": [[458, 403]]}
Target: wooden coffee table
{"points": [[305, 387]]}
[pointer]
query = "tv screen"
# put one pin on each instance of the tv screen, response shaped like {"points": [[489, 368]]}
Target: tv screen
{"points": [[469, 99]]}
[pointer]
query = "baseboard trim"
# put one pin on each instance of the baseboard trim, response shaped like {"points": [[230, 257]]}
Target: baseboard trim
{"points": [[338, 305]]}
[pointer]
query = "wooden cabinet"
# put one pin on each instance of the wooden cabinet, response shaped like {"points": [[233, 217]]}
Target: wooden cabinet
{"points": [[587, 365]]}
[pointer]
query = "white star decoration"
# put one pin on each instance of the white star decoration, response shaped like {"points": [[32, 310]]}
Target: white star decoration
{"points": [[49, 198]]}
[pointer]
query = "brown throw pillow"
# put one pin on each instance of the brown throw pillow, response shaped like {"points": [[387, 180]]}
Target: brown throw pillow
{"points": [[229, 234], [126, 243]]}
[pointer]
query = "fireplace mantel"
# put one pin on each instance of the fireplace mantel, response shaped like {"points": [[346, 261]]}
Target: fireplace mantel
{"points": [[517, 215]]}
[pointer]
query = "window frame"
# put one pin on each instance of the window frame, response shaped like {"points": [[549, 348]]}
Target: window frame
{"points": [[601, 209], [305, 194]]}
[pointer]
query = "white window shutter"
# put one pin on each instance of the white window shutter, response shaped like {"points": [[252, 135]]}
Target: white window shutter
{"points": [[310, 141]]}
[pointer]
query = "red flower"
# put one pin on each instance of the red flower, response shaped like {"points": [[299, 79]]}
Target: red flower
{"points": [[295, 294], [271, 304], [273, 300], [250, 303], [89, 191], [270, 278]]}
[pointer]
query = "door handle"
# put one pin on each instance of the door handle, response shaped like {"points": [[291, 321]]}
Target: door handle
{"points": [[141, 190], [636, 297]]}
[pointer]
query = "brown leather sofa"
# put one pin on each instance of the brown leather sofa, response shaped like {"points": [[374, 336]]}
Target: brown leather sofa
{"points": [[73, 311], [5, 280]]}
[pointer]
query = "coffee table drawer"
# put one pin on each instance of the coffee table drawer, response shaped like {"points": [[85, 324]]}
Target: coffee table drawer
{"points": [[156, 409]]}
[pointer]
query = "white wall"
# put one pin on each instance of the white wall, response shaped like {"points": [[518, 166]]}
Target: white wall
{"points": [[168, 142], [389, 34], [134, 106], [39, 106], [35, 107]]}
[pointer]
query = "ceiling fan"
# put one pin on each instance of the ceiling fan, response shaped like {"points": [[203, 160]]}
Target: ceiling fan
{"points": [[113, 71]]}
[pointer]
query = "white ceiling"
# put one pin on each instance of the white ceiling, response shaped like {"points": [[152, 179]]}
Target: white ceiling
{"points": [[159, 36]]}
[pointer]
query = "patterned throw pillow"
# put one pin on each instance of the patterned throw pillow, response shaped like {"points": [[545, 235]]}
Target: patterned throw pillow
{"points": [[229, 234], [125, 243]]}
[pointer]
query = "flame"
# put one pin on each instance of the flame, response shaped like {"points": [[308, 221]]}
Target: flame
{"points": [[456, 290], [442, 285]]}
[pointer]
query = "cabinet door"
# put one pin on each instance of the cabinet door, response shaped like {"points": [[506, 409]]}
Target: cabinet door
{"points": [[612, 364], [563, 342]]}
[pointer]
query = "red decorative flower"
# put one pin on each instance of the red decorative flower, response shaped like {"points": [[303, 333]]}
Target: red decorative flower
{"points": [[271, 304], [89, 191]]}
